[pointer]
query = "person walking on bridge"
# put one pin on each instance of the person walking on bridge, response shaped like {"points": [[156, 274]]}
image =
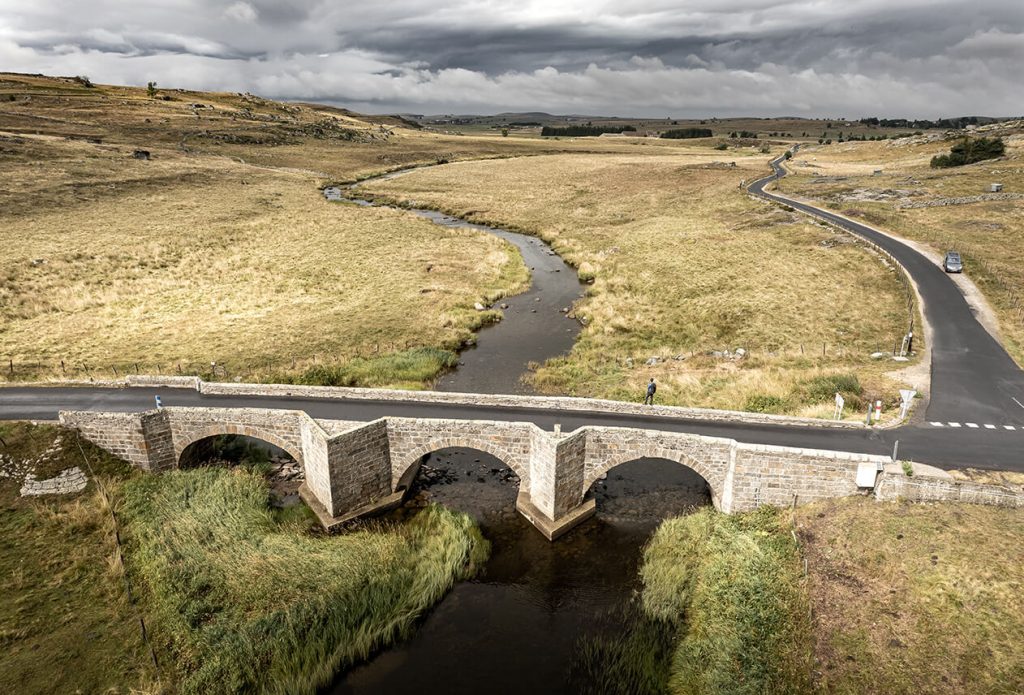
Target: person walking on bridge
{"points": [[651, 388]]}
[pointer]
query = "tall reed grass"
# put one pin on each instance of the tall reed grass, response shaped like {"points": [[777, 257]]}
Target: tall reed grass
{"points": [[243, 602]]}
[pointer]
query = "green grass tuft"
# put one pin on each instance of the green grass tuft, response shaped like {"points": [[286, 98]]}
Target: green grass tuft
{"points": [[245, 601], [732, 586]]}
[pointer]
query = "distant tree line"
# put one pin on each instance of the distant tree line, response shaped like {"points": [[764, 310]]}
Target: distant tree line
{"points": [[582, 131], [524, 124], [969, 151], [922, 124], [686, 133]]}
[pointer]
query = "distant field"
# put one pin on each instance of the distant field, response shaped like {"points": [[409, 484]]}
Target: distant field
{"points": [[684, 264], [181, 261], [908, 196]]}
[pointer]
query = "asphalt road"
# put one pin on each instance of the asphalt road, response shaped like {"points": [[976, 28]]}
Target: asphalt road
{"points": [[975, 384], [945, 447], [973, 378]]}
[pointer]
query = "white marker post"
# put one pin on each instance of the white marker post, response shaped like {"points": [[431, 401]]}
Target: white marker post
{"points": [[840, 402], [906, 399], [159, 403], [878, 411]]}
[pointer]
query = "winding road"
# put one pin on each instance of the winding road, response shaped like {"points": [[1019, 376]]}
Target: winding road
{"points": [[975, 384]]}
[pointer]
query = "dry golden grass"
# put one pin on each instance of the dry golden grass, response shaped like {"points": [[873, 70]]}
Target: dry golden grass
{"points": [[987, 232], [182, 259], [221, 248], [682, 261], [914, 598]]}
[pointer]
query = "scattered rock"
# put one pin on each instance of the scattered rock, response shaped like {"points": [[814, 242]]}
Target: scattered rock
{"points": [[141, 154], [479, 307]]}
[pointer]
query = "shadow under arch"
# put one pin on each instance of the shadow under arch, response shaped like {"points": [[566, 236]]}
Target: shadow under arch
{"points": [[234, 449], [648, 489], [463, 478]]}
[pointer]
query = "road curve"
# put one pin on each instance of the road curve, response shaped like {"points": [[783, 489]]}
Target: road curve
{"points": [[973, 379]]}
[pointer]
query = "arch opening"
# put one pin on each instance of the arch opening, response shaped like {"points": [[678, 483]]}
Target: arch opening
{"points": [[646, 490], [284, 474], [464, 479]]}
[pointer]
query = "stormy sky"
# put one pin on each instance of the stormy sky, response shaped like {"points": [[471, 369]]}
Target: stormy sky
{"points": [[657, 58]]}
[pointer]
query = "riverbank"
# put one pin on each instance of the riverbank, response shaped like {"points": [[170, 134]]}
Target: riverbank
{"points": [[726, 302], [235, 595], [846, 596]]}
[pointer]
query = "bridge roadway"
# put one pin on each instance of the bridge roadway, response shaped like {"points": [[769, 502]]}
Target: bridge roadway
{"points": [[943, 447]]}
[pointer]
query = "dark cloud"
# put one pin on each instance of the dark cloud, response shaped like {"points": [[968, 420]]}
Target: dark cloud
{"points": [[642, 57]]}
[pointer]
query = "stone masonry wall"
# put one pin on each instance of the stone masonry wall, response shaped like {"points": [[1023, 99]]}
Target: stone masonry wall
{"points": [[894, 486], [359, 464], [119, 433], [775, 475], [412, 438]]}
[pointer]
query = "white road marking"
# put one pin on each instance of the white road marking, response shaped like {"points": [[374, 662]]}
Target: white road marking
{"points": [[1009, 427], [990, 427], [972, 425], [935, 424], [1017, 402], [954, 424]]}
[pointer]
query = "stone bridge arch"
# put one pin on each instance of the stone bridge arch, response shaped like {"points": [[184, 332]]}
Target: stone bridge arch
{"points": [[404, 459], [181, 446], [188, 426], [708, 457]]}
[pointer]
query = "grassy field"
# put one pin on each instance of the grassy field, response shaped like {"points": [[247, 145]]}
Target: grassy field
{"points": [[928, 205], [178, 262], [914, 598], [66, 622], [897, 598], [244, 602], [220, 248], [236, 596], [682, 264]]}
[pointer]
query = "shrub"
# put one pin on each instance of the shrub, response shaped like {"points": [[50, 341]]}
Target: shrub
{"points": [[969, 151], [822, 389], [721, 146], [578, 131], [151, 89], [84, 81], [762, 403]]}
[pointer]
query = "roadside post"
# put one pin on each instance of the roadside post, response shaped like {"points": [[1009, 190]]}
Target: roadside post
{"points": [[840, 402], [878, 411], [159, 403], [906, 399]]}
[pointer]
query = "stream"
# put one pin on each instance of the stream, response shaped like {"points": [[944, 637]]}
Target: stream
{"points": [[534, 328], [522, 624]]}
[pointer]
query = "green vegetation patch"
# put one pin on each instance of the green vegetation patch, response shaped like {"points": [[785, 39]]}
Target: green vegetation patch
{"points": [[248, 603], [732, 588], [969, 151], [66, 624], [406, 369], [686, 133], [915, 598]]}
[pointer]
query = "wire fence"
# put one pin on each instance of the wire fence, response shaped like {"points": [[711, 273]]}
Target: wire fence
{"points": [[26, 368]]}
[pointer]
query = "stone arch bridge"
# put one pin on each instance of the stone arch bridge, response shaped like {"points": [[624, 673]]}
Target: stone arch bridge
{"points": [[358, 468]]}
